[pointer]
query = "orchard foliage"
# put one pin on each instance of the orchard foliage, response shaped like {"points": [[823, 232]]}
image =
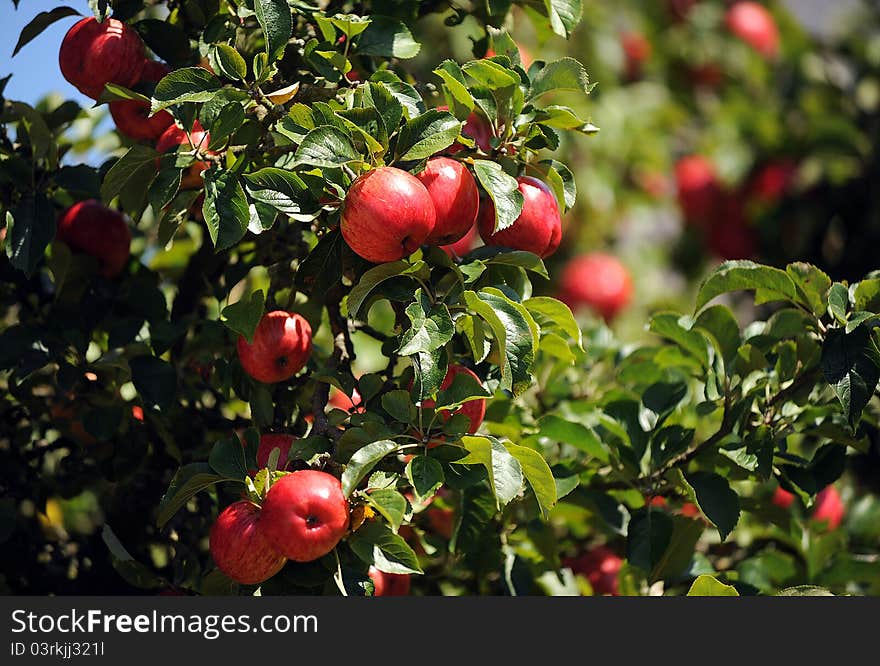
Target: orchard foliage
{"points": [[483, 438]]}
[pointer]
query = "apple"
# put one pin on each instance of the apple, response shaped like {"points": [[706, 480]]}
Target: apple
{"points": [[441, 521], [305, 515], [94, 54], [268, 443], [388, 584], [600, 566], [707, 75], [597, 281], [754, 25], [340, 400], [783, 498], [475, 410], [699, 191], [239, 548], [456, 199], [538, 229], [464, 244], [133, 118], [829, 507], [137, 413], [730, 235], [636, 51], [92, 228], [772, 181], [386, 215], [198, 140], [281, 347]]}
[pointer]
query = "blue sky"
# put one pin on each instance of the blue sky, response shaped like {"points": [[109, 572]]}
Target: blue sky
{"points": [[35, 68]]}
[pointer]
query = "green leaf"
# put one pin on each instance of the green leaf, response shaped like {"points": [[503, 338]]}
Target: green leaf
{"points": [[276, 20], [43, 144], [138, 165], [227, 122], [166, 40], [165, 185], [187, 84], [563, 74], [399, 405], [364, 460], [539, 476], [387, 37], [350, 25], [430, 371], [425, 474], [225, 208], [838, 301], [39, 23], [390, 503], [561, 180], [709, 586], [244, 315], [804, 591], [746, 275], [227, 458], [491, 74], [326, 147], [284, 191], [812, 286], [851, 364], [187, 482], [564, 15], [677, 557], [574, 434], [722, 329], [375, 544], [663, 397], [505, 471], [30, 227], [503, 190], [549, 312], [427, 134], [373, 278], [867, 295], [431, 327], [649, 535], [155, 380], [715, 498], [461, 102], [668, 325], [462, 389], [229, 62]]}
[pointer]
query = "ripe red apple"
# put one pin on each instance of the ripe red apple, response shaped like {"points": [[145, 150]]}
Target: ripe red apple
{"points": [[771, 182], [730, 236], [538, 229], [340, 400], [281, 347], [636, 51], [387, 214], [94, 54], [270, 442], [698, 188], [137, 413], [388, 584], [783, 498], [829, 507], [239, 548], [198, 139], [133, 118], [305, 515], [475, 410], [92, 228], [463, 245], [597, 281], [456, 199], [442, 521], [754, 24], [600, 566]]}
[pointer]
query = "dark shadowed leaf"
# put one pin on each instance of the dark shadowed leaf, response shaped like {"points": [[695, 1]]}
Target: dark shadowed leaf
{"points": [[39, 23], [276, 20], [30, 228]]}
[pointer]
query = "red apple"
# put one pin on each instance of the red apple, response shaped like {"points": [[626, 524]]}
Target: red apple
{"points": [[475, 410], [690, 510], [281, 347], [829, 507], [600, 566], [340, 400], [698, 188], [442, 521], [198, 140], [707, 75], [305, 515], [92, 228], [133, 118], [464, 245], [387, 214], [239, 548], [456, 199], [754, 24], [388, 584], [771, 182], [270, 442], [783, 498], [730, 235], [636, 51], [477, 128], [94, 54], [137, 413], [597, 281], [538, 229]]}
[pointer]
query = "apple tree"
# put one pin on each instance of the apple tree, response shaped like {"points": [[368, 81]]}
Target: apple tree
{"points": [[257, 347]]}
